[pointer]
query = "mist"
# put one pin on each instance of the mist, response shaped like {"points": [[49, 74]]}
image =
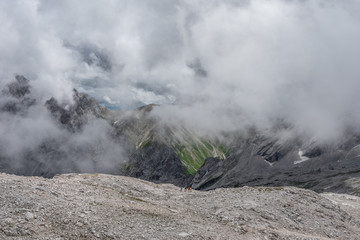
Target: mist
{"points": [[212, 65], [34, 142]]}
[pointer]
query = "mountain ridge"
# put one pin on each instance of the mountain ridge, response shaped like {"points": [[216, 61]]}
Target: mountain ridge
{"points": [[92, 138]]}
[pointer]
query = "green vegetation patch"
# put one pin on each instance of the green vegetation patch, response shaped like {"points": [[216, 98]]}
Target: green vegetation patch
{"points": [[193, 155], [225, 149], [146, 145], [127, 168]]}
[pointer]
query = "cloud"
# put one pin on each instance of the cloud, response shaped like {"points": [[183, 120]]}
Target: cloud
{"points": [[217, 64], [32, 142]]}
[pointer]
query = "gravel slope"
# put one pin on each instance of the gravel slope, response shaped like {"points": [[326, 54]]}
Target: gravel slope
{"points": [[97, 206]]}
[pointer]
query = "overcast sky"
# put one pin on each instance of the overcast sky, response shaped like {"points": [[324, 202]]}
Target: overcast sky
{"points": [[223, 64]]}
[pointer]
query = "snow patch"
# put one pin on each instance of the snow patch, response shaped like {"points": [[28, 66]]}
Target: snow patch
{"points": [[271, 164], [302, 158]]}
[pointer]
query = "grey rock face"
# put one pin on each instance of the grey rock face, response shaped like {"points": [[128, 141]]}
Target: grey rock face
{"points": [[157, 163], [268, 161], [76, 115]]}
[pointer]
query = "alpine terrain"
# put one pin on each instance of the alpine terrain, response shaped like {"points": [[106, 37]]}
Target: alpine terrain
{"points": [[155, 151]]}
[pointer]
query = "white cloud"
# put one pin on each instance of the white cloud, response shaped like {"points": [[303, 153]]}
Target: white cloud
{"points": [[264, 60]]}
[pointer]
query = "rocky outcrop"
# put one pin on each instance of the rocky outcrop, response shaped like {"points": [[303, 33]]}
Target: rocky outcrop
{"points": [[101, 206], [17, 96], [74, 116], [157, 163]]}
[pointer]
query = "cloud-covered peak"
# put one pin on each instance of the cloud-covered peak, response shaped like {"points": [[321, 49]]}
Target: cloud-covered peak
{"points": [[224, 63]]}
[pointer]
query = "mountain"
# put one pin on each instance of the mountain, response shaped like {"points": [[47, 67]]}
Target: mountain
{"points": [[17, 94], [267, 159], [84, 136], [143, 129], [99, 206]]}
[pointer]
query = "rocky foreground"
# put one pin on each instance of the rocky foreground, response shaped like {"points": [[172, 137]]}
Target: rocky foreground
{"points": [[97, 206]]}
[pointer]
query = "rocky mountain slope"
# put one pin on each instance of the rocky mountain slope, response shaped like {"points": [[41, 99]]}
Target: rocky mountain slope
{"points": [[98, 206], [267, 160], [143, 129], [135, 142]]}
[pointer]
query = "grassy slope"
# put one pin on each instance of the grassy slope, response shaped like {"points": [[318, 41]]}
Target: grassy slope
{"points": [[188, 146], [193, 155], [194, 152], [191, 149]]}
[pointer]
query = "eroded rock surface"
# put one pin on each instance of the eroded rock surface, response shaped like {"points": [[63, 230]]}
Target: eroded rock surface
{"points": [[97, 206], [258, 160]]}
